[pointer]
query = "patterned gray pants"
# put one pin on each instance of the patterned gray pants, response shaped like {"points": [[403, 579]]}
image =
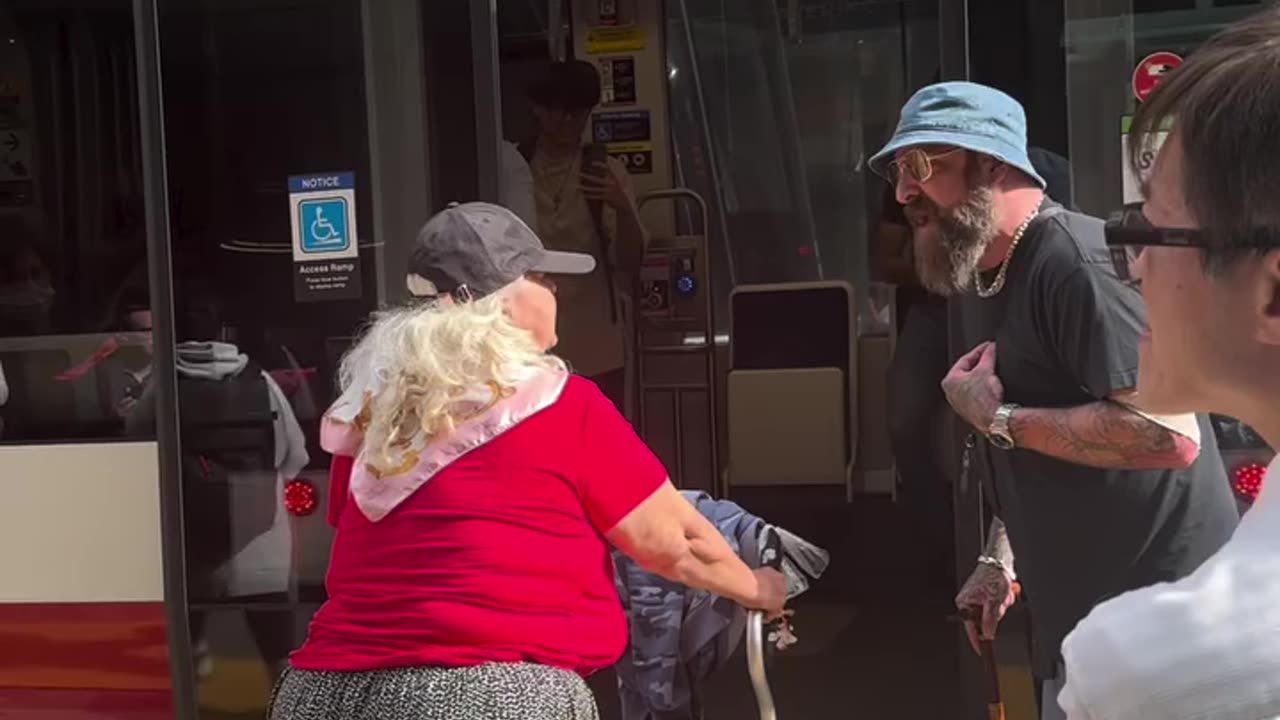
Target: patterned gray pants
{"points": [[484, 692]]}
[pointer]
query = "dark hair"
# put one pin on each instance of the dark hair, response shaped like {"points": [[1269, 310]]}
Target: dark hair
{"points": [[1056, 171], [1225, 103], [569, 85]]}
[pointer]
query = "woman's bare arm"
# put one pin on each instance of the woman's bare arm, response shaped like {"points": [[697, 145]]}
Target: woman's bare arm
{"points": [[666, 535]]}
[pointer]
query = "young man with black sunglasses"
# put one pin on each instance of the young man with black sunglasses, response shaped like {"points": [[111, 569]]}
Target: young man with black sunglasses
{"points": [[1205, 248], [1093, 496]]}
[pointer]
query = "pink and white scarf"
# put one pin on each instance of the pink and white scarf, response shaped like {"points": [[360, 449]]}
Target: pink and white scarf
{"points": [[378, 491]]}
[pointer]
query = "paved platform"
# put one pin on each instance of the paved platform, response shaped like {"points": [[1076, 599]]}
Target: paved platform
{"points": [[875, 641]]}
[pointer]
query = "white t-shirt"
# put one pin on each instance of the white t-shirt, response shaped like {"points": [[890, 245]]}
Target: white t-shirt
{"points": [[517, 184], [590, 331], [1204, 647]]}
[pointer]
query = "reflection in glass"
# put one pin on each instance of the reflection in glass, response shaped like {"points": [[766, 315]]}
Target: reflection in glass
{"points": [[1105, 41], [74, 352], [240, 654], [772, 124], [253, 94], [73, 387]]}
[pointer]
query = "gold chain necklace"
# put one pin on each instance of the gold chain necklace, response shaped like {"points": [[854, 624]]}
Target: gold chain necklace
{"points": [[998, 284]]}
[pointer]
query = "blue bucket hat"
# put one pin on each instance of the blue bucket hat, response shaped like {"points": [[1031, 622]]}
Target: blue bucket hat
{"points": [[965, 115]]}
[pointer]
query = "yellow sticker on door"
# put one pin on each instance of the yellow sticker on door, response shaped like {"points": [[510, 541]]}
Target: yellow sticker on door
{"points": [[614, 39], [636, 157]]}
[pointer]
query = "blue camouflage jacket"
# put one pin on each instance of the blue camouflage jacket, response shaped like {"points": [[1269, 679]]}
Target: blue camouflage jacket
{"points": [[680, 635]]}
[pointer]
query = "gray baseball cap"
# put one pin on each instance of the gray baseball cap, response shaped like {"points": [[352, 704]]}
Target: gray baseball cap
{"points": [[474, 249]]}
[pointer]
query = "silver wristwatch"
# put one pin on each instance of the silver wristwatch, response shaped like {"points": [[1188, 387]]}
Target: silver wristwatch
{"points": [[998, 434]]}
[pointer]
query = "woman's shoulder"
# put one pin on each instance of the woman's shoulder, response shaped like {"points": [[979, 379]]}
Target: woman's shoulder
{"points": [[583, 401], [582, 392], [579, 410]]}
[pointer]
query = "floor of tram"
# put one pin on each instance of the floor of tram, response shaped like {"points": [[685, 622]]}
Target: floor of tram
{"points": [[876, 638]]}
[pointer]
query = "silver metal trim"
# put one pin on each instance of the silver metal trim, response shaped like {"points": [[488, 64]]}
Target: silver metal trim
{"points": [[755, 666], [155, 189], [488, 98], [275, 248]]}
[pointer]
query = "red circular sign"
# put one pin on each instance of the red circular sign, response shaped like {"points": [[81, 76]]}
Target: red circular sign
{"points": [[1151, 71]]}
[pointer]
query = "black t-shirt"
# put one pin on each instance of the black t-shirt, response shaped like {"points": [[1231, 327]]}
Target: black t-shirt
{"points": [[1066, 332]]}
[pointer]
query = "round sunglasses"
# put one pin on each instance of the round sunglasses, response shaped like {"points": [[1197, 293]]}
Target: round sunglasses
{"points": [[915, 163]]}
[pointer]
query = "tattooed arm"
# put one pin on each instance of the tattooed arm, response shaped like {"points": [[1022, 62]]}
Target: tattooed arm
{"points": [[989, 587], [998, 546], [1091, 323], [1107, 433]]}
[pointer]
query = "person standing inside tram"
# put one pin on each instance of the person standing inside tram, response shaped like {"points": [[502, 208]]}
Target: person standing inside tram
{"points": [[477, 487], [1094, 495], [918, 366], [584, 203], [1208, 260]]}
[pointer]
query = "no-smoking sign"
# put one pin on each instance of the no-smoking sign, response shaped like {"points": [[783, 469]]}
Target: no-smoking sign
{"points": [[1151, 70]]}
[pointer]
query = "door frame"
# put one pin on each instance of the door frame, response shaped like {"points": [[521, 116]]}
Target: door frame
{"points": [[397, 104], [160, 280]]}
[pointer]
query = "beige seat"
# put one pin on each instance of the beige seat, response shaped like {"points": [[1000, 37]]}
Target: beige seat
{"points": [[791, 395], [788, 427]]}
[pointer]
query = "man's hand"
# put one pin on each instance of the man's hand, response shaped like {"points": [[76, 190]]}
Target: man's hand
{"points": [[606, 187], [990, 590], [972, 388]]}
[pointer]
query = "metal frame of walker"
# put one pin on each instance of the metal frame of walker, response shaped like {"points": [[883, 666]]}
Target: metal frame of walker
{"points": [[755, 666]]}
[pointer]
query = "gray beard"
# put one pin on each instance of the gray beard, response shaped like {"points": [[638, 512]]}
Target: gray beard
{"points": [[949, 265]]}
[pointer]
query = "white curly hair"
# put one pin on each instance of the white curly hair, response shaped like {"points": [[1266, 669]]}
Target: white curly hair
{"points": [[413, 364]]}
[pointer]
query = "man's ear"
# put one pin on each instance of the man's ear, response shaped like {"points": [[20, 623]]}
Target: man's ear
{"points": [[1269, 325]]}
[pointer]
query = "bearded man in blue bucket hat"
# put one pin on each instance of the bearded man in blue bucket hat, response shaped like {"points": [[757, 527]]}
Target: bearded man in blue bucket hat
{"points": [[1091, 495]]}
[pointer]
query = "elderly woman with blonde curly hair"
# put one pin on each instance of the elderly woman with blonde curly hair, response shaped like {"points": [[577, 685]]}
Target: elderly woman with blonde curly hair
{"points": [[477, 487]]}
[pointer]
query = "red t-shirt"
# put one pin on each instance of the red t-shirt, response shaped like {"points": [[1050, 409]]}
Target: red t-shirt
{"points": [[498, 558]]}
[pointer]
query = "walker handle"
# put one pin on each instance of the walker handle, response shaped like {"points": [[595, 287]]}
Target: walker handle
{"points": [[755, 665]]}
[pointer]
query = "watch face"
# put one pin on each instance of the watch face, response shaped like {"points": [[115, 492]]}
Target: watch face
{"points": [[1003, 442]]}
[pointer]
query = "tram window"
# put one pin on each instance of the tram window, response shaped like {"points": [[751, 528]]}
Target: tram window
{"points": [[255, 93], [776, 128], [74, 332]]}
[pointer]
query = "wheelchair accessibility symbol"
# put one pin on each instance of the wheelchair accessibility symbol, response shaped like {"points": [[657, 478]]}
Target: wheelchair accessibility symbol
{"points": [[323, 225]]}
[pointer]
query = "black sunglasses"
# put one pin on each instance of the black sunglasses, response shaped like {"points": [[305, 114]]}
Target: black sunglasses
{"points": [[1128, 231]]}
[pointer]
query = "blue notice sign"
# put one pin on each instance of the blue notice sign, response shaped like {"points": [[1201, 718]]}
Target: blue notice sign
{"points": [[623, 126], [321, 182], [326, 243], [323, 225]]}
